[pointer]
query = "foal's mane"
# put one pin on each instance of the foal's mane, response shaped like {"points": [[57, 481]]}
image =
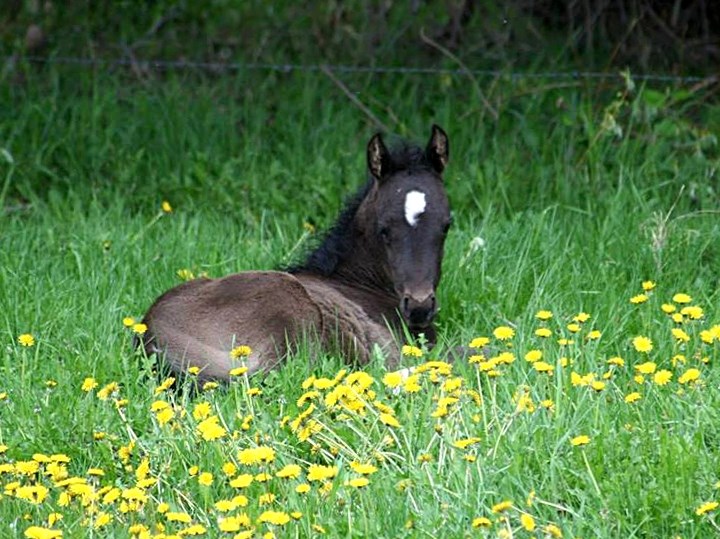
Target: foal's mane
{"points": [[337, 241]]}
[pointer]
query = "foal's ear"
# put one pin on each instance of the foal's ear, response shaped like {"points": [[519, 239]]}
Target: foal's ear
{"points": [[438, 149], [378, 157]]}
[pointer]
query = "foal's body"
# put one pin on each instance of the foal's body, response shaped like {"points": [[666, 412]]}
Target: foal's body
{"points": [[375, 272]]}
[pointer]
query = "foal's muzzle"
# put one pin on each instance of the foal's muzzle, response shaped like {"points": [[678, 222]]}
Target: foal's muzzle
{"points": [[418, 309]]}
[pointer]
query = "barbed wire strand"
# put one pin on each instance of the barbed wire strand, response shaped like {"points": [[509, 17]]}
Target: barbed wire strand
{"points": [[167, 65]]}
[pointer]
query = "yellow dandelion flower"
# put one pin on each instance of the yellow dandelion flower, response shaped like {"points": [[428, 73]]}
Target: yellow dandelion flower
{"points": [[481, 522], [165, 385], [706, 508], [648, 285], [553, 531], [38, 532], [139, 328], [542, 366], [238, 371], [617, 361], [205, 479], [479, 342], [504, 333], [104, 393], [277, 518], [543, 332], [680, 335], [668, 308], [178, 517], [389, 420], [581, 318], [411, 351], [573, 328], [646, 368], [632, 397], [26, 339], [291, 471], [690, 375], [185, 274], [501, 506], [681, 298], [642, 344], [358, 482], [597, 385], [693, 312], [544, 315], [662, 377], [527, 522], [202, 410], [640, 298], [240, 352], [128, 321], [582, 439], [533, 355], [594, 335], [393, 379], [464, 443], [677, 318], [166, 207], [242, 481], [210, 429], [256, 455], [318, 472], [302, 488], [89, 384]]}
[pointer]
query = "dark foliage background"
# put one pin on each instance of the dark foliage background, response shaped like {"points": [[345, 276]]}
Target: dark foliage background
{"points": [[680, 37]]}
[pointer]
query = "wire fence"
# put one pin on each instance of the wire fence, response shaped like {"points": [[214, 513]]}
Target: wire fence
{"points": [[186, 65]]}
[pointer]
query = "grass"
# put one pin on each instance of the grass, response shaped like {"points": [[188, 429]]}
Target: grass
{"points": [[554, 209]]}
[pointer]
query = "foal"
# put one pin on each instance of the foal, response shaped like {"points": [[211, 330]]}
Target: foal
{"points": [[376, 271]]}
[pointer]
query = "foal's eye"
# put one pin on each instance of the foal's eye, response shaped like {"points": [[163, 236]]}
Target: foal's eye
{"points": [[385, 234]]}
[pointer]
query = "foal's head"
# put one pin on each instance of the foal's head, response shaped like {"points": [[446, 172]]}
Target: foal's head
{"points": [[408, 214]]}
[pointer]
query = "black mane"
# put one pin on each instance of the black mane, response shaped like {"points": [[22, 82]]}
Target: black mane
{"points": [[337, 242]]}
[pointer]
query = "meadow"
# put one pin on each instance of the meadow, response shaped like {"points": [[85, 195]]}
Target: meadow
{"points": [[583, 266]]}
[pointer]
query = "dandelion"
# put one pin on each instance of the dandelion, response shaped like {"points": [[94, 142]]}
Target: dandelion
{"points": [[464, 443], [479, 342], [542, 366], [128, 321], [27, 340], [389, 420], [185, 274], [501, 506], [573, 328], [411, 351], [363, 469], [646, 368], [693, 312], [205, 479], [240, 352], [668, 308], [662, 377], [544, 315], [238, 371], [104, 393], [642, 344], [38, 532], [89, 384], [533, 355], [291, 471], [616, 361], [648, 285], [481, 522], [594, 335], [166, 207], [140, 328], [210, 429], [165, 385], [690, 375], [527, 522], [242, 481], [256, 455], [358, 482], [680, 335], [393, 379], [178, 517], [581, 318], [553, 531], [706, 508], [504, 333], [543, 332], [302, 488], [318, 472], [580, 440], [681, 298], [640, 298], [632, 397]]}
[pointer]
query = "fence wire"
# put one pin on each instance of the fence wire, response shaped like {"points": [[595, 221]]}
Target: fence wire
{"points": [[180, 65]]}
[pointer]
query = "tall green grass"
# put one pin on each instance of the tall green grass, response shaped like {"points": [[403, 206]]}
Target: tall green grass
{"points": [[568, 202]]}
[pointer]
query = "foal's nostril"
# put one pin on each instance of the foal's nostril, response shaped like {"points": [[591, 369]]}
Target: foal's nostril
{"points": [[419, 312]]}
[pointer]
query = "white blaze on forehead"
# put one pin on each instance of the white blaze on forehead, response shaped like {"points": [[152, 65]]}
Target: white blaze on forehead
{"points": [[414, 206]]}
